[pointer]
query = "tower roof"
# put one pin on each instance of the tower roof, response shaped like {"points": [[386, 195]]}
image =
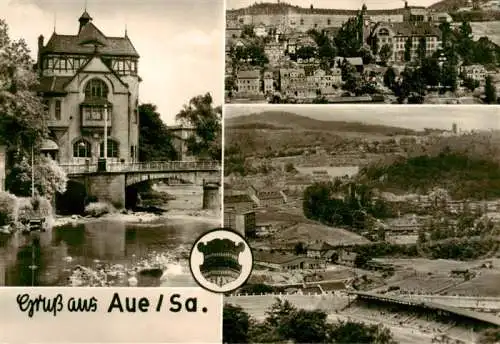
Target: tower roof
{"points": [[85, 16], [89, 34]]}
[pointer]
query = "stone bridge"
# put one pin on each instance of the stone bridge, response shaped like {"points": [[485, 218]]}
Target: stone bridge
{"points": [[110, 183]]}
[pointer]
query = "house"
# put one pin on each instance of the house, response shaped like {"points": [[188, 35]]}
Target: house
{"points": [[356, 62], [441, 17], [398, 35], [260, 30], [238, 203], [347, 258], [268, 197], [180, 135], [274, 52], [268, 82], [318, 249], [475, 72], [248, 81], [243, 223], [284, 261], [89, 82]]}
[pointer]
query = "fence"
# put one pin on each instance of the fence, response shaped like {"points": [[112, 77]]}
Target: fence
{"points": [[144, 166]]}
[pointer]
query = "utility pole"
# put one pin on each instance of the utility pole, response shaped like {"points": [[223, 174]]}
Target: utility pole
{"points": [[32, 173], [105, 132]]}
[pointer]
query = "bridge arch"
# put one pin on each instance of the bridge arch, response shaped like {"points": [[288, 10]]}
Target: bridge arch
{"points": [[73, 200]]}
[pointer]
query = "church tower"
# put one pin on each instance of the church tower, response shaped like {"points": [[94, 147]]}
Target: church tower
{"points": [[365, 25]]}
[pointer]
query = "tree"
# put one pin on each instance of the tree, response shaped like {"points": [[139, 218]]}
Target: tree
{"points": [[155, 140], [349, 38], [306, 52], [407, 54], [235, 324], [446, 34], [422, 49], [385, 53], [390, 78], [470, 83], [248, 31], [430, 71], [49, 178], [255, 53], [490, 92], [23, 119], [354, 332], [206, 119]]}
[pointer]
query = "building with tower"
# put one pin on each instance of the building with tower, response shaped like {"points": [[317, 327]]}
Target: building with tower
{"points": [[90, 86]]}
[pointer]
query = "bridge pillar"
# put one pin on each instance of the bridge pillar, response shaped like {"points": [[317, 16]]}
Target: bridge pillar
{"points": [[108, 187], [211, 196]]}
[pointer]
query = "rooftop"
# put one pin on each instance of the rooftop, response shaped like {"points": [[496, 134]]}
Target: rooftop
{"points": [[237, 199], [87, 38]]}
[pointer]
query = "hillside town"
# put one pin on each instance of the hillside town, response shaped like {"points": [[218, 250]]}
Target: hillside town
{"points": [[280, 53], [328, 223]]}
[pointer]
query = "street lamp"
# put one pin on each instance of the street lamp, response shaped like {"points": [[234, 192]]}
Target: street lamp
{"points": [[103, 161], [105, 131]]}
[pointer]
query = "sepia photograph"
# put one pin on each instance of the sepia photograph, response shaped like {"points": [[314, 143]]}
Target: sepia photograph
{"points": [[110, 139], [389, 52], [368, 224]]}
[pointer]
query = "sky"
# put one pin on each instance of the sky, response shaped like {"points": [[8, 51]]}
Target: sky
{"points": [[180, 41], [474, 117], [338, 4]]}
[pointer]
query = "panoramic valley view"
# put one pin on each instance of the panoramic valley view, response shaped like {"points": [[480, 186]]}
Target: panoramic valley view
{"points": [[368, 224], [415, 51]]}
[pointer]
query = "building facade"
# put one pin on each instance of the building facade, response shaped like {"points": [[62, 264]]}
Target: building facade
{"points": [[90, 84], [248, 81], [180, 136]]}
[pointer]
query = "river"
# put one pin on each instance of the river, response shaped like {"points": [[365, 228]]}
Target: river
{"points": [[50, 258]]}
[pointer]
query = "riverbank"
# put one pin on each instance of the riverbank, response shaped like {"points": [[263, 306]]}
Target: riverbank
{"points": [[209, 216]]}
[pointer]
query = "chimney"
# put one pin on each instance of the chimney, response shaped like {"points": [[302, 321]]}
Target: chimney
{"points": [[39, 55]]}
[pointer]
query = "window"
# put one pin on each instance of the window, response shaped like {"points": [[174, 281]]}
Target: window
{"points": [[132, 152], [135, 116], [81, 149], [46, 105], [96, 89], [112, 149], [58, 110], [329, 22], [383, 32]]}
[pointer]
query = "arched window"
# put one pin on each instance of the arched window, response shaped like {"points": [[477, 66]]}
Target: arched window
{"points": [[112, 149], [96, 89], [81, 149]]}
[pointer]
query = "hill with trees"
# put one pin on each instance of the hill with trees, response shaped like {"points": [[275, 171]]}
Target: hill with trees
{"points": [[462, 174], [280, 120]]}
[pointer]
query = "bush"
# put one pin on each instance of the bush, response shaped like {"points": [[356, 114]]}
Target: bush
{"points": [[97, 209], [38, 207], [49, 178], [9, 205]]}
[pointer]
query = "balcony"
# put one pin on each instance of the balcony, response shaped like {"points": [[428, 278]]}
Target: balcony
{"points": [[93, 116]]}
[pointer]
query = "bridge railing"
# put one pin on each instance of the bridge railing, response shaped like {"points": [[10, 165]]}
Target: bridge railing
{"points": [[144, 166]]}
